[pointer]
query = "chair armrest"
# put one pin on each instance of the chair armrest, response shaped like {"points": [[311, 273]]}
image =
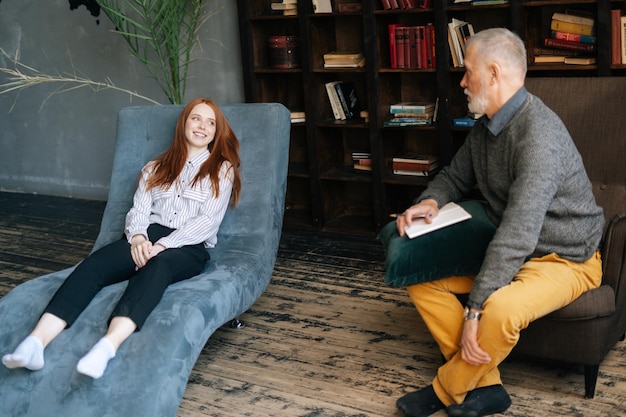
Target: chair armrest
{"points": [[613, 255]]}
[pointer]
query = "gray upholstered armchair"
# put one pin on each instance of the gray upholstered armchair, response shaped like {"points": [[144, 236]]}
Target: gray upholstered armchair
{"points": [[150, 378], [583, 332]]}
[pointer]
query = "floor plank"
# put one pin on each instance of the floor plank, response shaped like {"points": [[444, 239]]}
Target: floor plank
{"points": [[327, 338]]}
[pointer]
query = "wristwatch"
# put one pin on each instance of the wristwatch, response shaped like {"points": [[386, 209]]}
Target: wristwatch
{"points": [[471, 315]]}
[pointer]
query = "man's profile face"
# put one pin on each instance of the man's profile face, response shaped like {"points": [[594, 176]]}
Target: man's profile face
{"points": [[474, 82]]}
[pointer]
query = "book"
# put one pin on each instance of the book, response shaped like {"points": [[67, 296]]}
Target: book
{"points": [[623, 38], [431, 50], [448, 215], [581, 60], [414, 166], [549, 59], [412, 107], [573, 18], [284, 6], [349, 7], [348, 99], [572, 27], [393, 54], [572, 46], [616, 39], [357, 64], [298, 117], [346, 56], [416, 158], [488, 2], [334, 101], [455, 40], [573, 37], [465, 121], [413, 173], [322, 6], [400, 123], [427, 115], [360, 167], [551, 51], [414, 120]]}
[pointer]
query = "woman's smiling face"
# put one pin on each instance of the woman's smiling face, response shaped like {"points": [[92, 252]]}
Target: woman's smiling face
{"points": [[199, 129]]}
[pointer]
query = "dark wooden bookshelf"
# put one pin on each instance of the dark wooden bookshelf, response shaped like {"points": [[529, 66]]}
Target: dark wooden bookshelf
{"points": [[324, 192]]}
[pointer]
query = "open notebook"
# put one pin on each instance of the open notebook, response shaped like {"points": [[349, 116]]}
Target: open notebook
{"points": [[449, 214]]}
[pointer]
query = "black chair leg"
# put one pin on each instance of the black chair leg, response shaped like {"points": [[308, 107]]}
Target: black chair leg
{"points": [[591, 376], [237, 324]]}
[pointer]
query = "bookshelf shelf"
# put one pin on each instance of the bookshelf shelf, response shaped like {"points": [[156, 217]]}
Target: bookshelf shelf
{"points": [[324, 191]]}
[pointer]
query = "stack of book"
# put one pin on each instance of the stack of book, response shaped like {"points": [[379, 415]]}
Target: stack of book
{"points": [[298, 117], [572, 39], [343, 100], [287, 7], [406, 4], [362, 161], [459, 32], [415, 165], [411, 114], [412, 47], [349, 59]]}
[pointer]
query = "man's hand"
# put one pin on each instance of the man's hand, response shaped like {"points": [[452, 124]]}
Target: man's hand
{"points": [[426, 209], [471, 352]]}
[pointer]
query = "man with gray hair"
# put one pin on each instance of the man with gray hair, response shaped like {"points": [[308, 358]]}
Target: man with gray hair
{"points": [[544, 253]]}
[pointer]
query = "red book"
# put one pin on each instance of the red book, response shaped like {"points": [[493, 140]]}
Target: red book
{"points": [[430, 47], [423, 47], [386, 4], [393, 54], [414, 166], [400, 44], [616, 39], [406, 42], [394, 4], [414, 43], [566, 36], [569, 45]]}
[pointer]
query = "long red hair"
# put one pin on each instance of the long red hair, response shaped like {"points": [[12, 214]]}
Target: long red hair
{"points": [[224, 147]]}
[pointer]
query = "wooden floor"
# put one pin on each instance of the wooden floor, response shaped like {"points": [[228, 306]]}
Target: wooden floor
{"points": [[327, 338]]}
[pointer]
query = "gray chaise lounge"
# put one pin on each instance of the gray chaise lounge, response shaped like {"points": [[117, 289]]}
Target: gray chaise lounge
{"points": [[149, 375]]}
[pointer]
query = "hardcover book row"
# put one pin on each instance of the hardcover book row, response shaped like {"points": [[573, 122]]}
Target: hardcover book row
{"points": [[412, 47]]}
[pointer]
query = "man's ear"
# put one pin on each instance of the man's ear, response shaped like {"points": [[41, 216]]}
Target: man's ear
{"points": [[495, 72]]}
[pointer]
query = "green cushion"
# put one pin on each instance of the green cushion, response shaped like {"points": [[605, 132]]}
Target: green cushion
{"points": [[454, 250]]}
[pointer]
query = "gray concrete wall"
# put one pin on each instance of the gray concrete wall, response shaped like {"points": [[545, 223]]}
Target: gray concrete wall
{"points": [[62, 144]]}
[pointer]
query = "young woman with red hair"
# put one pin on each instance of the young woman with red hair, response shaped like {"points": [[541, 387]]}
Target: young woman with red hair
{"points": [[179, 203]]}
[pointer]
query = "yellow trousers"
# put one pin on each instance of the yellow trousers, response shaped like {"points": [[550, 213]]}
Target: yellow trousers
{"points": [[541, 286]]}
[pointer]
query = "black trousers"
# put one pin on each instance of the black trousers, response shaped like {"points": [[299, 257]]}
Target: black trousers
{"points": [[112, 264]]}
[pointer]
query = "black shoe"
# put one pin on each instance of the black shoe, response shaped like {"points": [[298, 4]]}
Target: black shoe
{"points": [[420, 403], [482, 402]]}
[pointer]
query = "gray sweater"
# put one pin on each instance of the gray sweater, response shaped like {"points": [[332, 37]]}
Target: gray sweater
{"points": [[538, 194]]}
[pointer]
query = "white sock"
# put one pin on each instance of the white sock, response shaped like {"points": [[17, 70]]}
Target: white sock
{"points": [[28, 354], [95, 362]]}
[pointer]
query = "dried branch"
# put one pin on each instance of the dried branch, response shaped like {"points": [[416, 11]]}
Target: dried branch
{"points": [[23, 76]]}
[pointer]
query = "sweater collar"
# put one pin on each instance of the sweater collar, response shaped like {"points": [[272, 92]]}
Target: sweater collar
{"points": [[506, 112]]}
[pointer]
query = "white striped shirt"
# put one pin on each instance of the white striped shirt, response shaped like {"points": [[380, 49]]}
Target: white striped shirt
{"points": [[194, 212]]}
